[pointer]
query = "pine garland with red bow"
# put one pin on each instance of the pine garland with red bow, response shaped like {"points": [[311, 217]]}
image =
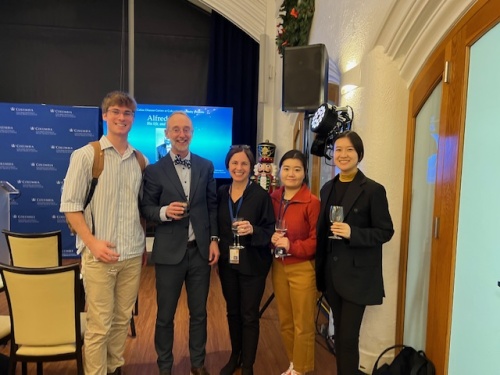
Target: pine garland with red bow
{"points": [[295, 23]]}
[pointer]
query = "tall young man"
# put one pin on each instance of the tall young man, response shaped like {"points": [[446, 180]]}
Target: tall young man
{"points": [[110, 237]]}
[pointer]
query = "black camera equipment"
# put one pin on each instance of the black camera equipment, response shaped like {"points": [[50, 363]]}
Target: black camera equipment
{"points": [[328, 122]]}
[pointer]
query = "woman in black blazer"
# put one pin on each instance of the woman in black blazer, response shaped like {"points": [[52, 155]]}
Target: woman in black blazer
{"points": [[349, 270]]}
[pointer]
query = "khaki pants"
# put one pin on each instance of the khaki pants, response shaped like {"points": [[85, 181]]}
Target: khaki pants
{"points": [[295, 292], [111, 291]]}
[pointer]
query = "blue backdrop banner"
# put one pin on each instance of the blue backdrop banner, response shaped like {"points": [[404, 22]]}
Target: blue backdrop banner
{"points": [[36, 142]]}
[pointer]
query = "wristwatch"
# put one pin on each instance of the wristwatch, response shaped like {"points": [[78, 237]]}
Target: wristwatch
{"points": [[215, 238]]}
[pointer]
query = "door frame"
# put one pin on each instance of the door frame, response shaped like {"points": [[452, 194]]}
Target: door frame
{"points": [[453, 50]]}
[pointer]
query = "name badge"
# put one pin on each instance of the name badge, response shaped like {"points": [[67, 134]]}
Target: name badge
{"points": [[234, 255]]}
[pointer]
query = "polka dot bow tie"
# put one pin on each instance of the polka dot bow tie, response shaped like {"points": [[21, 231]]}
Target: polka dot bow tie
{"points": [[184, 162]]}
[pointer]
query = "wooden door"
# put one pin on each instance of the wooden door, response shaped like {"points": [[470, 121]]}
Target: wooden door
{"points": [[449, 65]]}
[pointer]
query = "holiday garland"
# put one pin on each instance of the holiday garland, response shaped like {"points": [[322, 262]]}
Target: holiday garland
{"points": [[296, 18]]}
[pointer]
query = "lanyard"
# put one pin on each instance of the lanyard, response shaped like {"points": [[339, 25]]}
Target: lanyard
{"points": [[230, 203]]}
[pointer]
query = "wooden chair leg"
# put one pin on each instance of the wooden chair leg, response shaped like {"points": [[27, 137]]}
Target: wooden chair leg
{"points": [[39, 368], [79, 364], [12, 366]]}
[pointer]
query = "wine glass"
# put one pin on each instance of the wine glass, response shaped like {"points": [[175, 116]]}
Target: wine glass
{"points": [[280, 227], [234, 227], [336, 216]]}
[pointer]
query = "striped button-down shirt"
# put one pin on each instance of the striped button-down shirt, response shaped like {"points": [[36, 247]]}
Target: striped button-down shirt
{"points": [[114, 205]]}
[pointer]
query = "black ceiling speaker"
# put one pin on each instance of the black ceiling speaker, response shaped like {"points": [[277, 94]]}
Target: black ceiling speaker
{"points": [[305, 78]]}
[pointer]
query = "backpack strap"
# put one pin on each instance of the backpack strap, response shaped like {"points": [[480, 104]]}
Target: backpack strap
{"points": [[142, 163], [98, 165], [97, 168], [140, 159]]}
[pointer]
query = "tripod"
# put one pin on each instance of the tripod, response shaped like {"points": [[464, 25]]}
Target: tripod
{"points": [[266, 305]]}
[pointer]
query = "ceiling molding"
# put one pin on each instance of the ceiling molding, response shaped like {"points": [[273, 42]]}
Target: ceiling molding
{"points": [[250, 16], [201, 5], [414, 29]]}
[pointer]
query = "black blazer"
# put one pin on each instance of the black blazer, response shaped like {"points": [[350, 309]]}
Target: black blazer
{"points": [[257, 207], [161, 187], [357, 263]]}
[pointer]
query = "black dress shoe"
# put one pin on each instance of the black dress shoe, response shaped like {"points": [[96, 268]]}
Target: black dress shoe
{"points": [[232, 365]]}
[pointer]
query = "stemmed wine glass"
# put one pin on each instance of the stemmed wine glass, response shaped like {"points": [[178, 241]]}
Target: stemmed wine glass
{"points": [[236, 236], [280, 227], [336, 216]]}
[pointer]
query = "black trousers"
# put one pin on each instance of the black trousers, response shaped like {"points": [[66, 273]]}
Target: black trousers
{"points": [[347, 318], [243, 294]]}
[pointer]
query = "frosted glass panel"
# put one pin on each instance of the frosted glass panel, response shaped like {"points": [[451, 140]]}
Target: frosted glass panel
{"points": [[420, 236], [475, 334]]}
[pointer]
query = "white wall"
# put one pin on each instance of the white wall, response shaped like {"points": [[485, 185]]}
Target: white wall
{"points": [[380, 106], [390, 40]]}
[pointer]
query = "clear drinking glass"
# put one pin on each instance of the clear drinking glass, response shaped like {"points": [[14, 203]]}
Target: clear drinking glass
{"points": [[186, 209], [280, 227], [236, 236], [336, 216]]}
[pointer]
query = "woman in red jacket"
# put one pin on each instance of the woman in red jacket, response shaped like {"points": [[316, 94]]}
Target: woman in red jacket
{"points": [[294, 280]]}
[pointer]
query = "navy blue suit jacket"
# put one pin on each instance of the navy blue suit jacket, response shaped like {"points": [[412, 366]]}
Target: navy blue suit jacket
{"points": [[161, 187]]}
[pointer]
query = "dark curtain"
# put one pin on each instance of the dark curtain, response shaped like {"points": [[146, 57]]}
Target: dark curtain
{"points": [[172, 46], [72, 52], [233, 77]]}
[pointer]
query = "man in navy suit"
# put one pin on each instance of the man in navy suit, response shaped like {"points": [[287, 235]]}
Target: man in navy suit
{"points": [[180, 196]]}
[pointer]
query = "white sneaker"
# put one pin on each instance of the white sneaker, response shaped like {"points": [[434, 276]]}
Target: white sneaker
{"points": [[289, 370]]}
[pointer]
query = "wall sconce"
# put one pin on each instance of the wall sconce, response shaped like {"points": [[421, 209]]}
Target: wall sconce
{"points": [[350, 80]]}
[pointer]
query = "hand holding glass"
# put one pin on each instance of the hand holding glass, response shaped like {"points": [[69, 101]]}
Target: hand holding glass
{"points": [[234, 228], [281, 228], [336, 216], [186, 209]]}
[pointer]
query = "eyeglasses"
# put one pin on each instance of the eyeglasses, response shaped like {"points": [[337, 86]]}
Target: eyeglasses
{"points": [[117, 112], [177, 131]]}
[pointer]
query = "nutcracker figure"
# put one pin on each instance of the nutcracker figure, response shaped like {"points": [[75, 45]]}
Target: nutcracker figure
{"points": [[265, 170]]}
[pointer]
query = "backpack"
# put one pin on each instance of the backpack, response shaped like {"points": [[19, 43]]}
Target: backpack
{"points": [[407, 362], [97, 168]]}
